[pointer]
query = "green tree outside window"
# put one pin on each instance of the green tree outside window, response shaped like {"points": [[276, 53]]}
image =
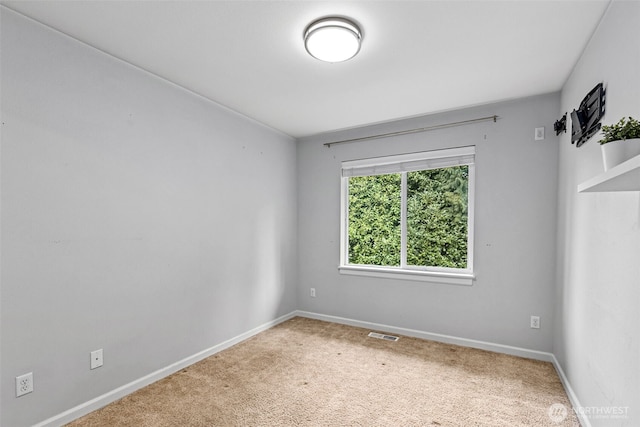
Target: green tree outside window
{"points": [[436, 218]]}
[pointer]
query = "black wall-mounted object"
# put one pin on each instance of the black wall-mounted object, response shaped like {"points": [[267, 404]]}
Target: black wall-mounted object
{"points": [[560, 125], [585, 121]]}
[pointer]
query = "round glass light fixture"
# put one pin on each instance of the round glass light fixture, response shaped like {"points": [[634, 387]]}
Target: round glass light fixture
{"points": [[332, 39]]}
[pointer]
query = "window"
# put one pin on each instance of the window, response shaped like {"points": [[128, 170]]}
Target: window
{"points": [[409, 216]]}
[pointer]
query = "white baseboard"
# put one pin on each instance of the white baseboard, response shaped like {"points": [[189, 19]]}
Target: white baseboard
{"points": [[575, 403], [448, 339], [112, 396], [100, 401]]}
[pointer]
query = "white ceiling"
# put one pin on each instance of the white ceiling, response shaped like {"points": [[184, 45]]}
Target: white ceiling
{"points": [[417, 57]]}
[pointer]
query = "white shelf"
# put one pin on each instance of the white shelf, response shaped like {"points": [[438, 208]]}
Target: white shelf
{"points": [[623, 177]]}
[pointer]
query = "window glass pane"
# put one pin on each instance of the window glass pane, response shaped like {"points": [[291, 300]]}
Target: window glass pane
{"points": [[374, 220], [437, 209]]}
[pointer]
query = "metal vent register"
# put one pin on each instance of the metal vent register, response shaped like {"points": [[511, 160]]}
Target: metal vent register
{"points": [[383, 336]]}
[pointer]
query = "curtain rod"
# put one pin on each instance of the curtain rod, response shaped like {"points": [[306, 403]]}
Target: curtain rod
{"points": [[405, 132]]}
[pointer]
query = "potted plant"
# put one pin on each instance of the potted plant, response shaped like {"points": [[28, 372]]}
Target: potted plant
{"points": [[620, 142]]}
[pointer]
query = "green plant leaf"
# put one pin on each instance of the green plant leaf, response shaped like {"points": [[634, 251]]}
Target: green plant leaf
{"points": [[624, 129]]}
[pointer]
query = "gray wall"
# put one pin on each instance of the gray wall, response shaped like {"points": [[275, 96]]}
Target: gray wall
{"points": [[136, 217], [515, 224], [127, 226], [597, 337]]}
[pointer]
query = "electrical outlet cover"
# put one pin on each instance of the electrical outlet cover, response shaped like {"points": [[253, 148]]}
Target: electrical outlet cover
{"points": [[24, 384], [535, 322]]}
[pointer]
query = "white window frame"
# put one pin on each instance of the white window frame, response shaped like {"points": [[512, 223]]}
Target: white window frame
{"points": [[403, 163]]}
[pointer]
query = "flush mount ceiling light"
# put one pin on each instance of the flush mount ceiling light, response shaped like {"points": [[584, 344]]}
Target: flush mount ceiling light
{"points": [[332, 39]]}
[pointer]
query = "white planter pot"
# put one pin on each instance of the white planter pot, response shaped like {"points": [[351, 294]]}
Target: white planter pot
{"points": [[616, 152]]}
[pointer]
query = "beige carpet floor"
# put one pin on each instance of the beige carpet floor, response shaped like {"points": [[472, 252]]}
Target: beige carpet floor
{"points": [[305, 372]]}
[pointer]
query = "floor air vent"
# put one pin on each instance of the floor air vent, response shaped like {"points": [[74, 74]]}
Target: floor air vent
{"points": [[383, 336]]}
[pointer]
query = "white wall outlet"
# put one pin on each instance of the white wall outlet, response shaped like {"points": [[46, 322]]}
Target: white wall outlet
{"points": [[24, 384], [535, 322], [539, 135], [96, 359], [312, 292]]}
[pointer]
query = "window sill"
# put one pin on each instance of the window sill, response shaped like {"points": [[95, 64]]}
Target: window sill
{"points": [[465, 279]]}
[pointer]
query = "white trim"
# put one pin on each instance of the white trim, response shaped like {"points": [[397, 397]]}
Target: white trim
{"points": [[441, 158], [400, 164], [113, 395], [344, 221], [403, 220], [465, 279], [109, 397], [582, 418], [471, 215], [465, 342], [447, 339]]}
